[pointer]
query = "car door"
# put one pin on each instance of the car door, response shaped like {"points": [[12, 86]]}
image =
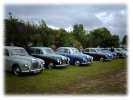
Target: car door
{"points": [[93, 53], [8, 60]]}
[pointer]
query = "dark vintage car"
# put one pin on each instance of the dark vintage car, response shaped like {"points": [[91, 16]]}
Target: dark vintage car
{"points": [[97, 54], [120, 54], [122, 51], [51, 59], [75, 56]]}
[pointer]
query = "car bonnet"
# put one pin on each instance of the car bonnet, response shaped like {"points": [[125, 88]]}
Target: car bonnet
{"points": [[54, 55], [29, 58]]}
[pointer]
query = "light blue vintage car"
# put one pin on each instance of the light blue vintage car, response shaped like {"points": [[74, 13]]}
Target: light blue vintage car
{"points": [[104, 50], [18, 61], [75, 56]]}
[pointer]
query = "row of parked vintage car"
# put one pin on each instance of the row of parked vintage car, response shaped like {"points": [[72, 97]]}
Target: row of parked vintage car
{"points": [[18, 61]]}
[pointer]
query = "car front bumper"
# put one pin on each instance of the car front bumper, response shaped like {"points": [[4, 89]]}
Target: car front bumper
{"points": [[85, 63], [64, 65], [33, 71], [108, 59]]}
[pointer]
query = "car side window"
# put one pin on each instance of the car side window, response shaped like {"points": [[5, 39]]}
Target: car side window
{"points": [[91, 50], [86, 50], [66, 51], [6, 53], [38, 51]]}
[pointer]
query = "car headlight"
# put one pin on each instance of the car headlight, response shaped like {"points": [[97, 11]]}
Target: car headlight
{"points": [[106, 56], [25, 65], [58, 60], [43, 63], [84, 58]]}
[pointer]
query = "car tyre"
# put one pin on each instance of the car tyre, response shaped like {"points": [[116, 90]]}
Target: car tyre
{"points": [[17, 70], [51, 65], [77, 62]]}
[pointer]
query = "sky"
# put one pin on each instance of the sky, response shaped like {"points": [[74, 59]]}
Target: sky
{"points": [[92, 16]]}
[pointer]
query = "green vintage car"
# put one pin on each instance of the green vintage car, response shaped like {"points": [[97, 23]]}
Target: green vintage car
{"points": [[51, 59], [18, 61]]}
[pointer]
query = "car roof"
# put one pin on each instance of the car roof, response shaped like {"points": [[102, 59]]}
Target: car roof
{"points": [[41, 47], [67, 47], [13, 47], [92, 48]]}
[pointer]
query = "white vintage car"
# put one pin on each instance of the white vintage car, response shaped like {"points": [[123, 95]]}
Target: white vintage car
{"points": [[18, 61]]}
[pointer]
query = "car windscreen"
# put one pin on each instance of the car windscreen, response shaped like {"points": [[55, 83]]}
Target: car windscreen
{"points": [[105, 50], [119, 49], [19, 52], [98, 51]]}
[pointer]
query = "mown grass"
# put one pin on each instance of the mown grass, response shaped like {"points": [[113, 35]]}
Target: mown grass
{"points": [[107, 77]]}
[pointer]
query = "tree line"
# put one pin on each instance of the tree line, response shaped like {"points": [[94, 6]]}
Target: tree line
{"points": [[20, 32]]}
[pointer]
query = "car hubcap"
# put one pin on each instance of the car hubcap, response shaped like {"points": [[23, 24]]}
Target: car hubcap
{"points": [[101, 59], [51, 65], [17, 71], [77, 63]]}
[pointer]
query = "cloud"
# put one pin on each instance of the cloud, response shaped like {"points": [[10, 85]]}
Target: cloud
{"points": [[113, 17]]}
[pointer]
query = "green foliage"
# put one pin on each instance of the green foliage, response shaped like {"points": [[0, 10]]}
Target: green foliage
{"points": [[46, 34], [21, 32], [18, 32], [63, 38], [102, 37], [79, 32], [125, 40], [36, 39]]}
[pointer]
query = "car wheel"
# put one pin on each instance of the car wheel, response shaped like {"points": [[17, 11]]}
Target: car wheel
{"points": [[51, 65], [101, 59], [77, 62], [16, 70]]}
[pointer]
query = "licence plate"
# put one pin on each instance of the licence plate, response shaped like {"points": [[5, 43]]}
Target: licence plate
{"points": [[37, 71]]}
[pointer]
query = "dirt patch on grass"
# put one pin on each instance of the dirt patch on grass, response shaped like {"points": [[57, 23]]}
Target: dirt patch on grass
{"points": [[114, 82]]}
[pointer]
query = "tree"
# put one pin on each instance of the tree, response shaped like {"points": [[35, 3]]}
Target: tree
{"points": [[21, 32], [63, 38], [102, 37], [124, 40], [18, 31], [46, 34], [78, 32], [36, 40]]}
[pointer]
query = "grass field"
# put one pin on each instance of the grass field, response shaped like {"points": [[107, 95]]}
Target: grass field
{"points": [[109, 77]]}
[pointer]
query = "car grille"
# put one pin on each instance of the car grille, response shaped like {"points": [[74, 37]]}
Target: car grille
{"points": [[110, 57], [64, 61], [89, 59], [35, 63], [124, 54]]}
